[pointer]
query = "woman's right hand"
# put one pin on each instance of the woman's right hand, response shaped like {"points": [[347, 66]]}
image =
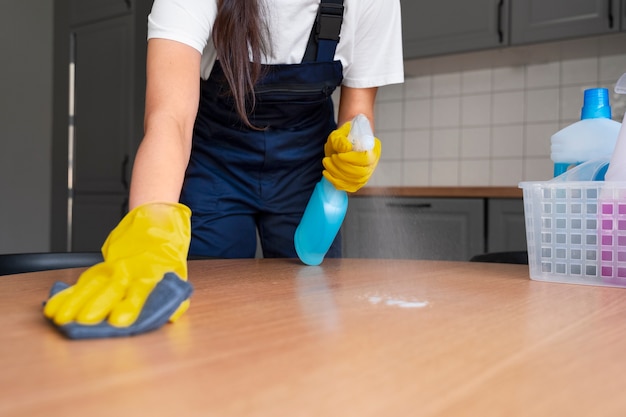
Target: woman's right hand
{"points": [[150, 241]]}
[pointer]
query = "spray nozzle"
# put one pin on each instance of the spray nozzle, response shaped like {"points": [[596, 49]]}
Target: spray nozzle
{"points": [[361, 135], [620, 86]]}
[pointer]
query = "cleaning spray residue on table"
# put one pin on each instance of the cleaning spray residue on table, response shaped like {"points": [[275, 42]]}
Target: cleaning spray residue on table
{"points": [[390, 301]]}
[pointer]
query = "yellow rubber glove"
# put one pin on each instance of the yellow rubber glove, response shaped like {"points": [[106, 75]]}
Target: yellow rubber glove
{"points": [[149, 241], [346, 169]]}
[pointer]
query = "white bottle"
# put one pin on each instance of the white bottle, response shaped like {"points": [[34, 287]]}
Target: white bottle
{"points": [[617, 166], [594, 136]]}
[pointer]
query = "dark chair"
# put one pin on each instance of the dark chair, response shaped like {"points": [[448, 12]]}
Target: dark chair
{"points": [[513, 257], [16, 263]]}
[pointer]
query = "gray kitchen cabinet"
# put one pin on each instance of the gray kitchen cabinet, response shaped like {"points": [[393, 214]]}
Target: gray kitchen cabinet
{"points": [[433, 28], [414, 228], [85, 11], [94, 215], [506, 229], [546, 20], [100, 50], [102, 139], [436, 28]]}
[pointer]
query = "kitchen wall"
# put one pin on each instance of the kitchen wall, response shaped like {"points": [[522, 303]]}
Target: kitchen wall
{"points": [[26, 92], [485, 118]]}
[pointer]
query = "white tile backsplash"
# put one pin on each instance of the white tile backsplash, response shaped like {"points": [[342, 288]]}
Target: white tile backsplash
{"points": [[476, 110], [394, 142], [393, 92], [417, 174], [416, 144], [507, 171], [571, 103], [417, 114], [444, 173], [508, 107], [477, 81], [611, 67], [475, 172], [543, 75], [535, 134], [475, 143], [446, 143], [542, 105], [446, 111], [418, 87], [447, 84], [508, 141], [490, 124], [387, 174], [538, 169], [579, 71], [388, 115], [508, 78]]}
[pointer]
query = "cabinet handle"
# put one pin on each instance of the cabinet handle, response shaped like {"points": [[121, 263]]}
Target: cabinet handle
{"points": [[124, 169], [129, 4], [500, 31], [610, 14], [411, 205]]}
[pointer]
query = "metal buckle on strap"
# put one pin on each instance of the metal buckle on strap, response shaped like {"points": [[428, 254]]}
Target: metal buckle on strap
{"points": [[329, 21]]}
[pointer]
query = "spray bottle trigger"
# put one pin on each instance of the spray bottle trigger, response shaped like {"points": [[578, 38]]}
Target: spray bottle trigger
{"points": [[361, 135]]}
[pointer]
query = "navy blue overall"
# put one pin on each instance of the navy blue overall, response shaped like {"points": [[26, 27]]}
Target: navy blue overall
{"points": [[240, 180]]}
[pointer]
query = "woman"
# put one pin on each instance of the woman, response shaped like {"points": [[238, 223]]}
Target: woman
{"points": [[237, 125]]}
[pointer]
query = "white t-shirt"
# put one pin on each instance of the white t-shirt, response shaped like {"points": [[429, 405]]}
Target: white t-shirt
{"points": [[370, 48]]}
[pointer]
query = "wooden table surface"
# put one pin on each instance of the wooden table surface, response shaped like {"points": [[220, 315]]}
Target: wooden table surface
{"points": [[349, 338]]}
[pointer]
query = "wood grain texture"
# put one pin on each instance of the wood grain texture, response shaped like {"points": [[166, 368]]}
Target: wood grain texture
{"points": [[349, 338]]}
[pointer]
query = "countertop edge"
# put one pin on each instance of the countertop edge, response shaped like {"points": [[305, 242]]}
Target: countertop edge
{"points": [[442, 192]]}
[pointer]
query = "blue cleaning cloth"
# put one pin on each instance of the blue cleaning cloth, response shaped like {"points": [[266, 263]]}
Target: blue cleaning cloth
{"points": [[160, 305]]}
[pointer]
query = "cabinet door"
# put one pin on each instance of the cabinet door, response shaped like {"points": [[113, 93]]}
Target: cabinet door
{"points": [[436, 27], [85, 11], [544, 20], [413, 228], [95, 215], [103, 106], [103, 113], [506, 229]]}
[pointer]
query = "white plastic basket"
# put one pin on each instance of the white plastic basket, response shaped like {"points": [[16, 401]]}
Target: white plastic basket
{"points": [[576, 231]]}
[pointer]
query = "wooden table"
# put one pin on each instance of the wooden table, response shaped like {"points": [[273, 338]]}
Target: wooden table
{"points": [[348, 338]]}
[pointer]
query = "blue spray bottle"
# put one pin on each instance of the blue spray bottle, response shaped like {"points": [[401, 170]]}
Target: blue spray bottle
{"points": [[327, 206]]}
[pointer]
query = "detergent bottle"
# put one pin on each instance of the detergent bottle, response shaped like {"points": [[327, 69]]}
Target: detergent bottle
{"points": [[327, 207], [594, 136]]}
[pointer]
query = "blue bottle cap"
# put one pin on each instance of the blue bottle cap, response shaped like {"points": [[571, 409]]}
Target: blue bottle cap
{"points": [[596, 104]]}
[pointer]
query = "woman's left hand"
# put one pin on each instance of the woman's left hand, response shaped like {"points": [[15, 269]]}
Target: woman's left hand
{"points": [[346, 169]]}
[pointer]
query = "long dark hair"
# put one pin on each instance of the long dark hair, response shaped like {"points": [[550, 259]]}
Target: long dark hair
{"points": [[240, 27]]}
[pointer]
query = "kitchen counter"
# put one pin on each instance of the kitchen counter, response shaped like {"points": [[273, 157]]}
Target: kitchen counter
{"points": [[444, 192], [445, 223]]}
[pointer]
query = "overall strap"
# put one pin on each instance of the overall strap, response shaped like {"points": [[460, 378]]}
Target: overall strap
{"points": [[325, 32]]}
